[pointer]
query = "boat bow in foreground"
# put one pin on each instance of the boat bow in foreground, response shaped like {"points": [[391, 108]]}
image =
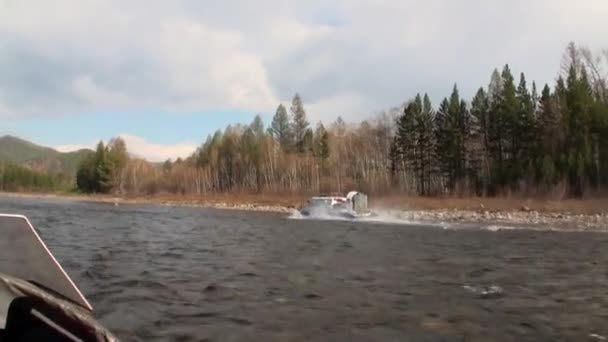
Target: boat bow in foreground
{"points": [[38, 300]]}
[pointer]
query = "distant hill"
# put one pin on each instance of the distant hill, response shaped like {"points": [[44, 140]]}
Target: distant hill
{"points": [[39, 158]]}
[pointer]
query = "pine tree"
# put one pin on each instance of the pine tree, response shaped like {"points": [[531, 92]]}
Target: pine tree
{"points": [[457, 120], [281, 129], [444, 138], [578, 153], [509, 111], [535, 98], [95, 173], [406, 138], [85, 176], [464, 137], [308, 141], [117, 152], [321, 143], [480, 143], [524, 132], [599, 138], [425, 145], [300, 124], [496, 130], [549, 138], [103, 169], [257, 126], [452, 136], [601, 141]]}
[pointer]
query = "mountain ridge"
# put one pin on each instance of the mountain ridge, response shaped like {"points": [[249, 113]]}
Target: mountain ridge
{"points": [[39, 158]]}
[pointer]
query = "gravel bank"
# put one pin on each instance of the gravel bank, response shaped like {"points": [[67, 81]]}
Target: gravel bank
{"points": [[523, 218]]}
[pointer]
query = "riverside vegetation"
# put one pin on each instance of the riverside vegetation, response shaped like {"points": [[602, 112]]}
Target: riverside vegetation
{"points": [[509, 139]]}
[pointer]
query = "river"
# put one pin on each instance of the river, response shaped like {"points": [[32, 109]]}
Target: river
{"points": [[181, 274]]}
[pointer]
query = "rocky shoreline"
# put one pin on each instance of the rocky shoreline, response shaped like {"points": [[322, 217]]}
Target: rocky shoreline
{"points": [[230, 206], [528, 219], [117, 201], [524, 218]]}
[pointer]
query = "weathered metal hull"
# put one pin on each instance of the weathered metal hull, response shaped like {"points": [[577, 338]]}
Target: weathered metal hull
{"points": [[353, 206], [38, 300]]}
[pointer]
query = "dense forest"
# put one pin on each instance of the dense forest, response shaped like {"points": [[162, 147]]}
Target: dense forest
{"points": [[16, 178], [510, 138]]}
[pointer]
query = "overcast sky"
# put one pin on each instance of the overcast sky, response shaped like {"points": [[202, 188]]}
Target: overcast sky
{"points": [[115, 66]]}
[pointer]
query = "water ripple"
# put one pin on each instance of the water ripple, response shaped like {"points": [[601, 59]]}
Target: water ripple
{"points": [[185, 274]]}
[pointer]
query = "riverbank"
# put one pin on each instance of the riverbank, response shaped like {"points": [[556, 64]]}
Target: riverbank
{"points": [[278, 204], [502, 220], [570, 214]]}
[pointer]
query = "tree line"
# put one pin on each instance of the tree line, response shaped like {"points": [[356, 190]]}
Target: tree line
{"points": [[16, 178], [509, 138]]}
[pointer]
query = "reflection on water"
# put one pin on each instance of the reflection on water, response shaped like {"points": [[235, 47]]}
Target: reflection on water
{"points": [[195, 274]]}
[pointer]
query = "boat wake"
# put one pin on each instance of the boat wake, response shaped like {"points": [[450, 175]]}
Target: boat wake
{"points": [[386, 217]]}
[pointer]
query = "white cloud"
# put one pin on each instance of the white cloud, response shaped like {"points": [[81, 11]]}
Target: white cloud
{"points": [[86, 89], [204, 64], [344, 105], [6, 112], [346, 57], [73, 147], [140, 147]]}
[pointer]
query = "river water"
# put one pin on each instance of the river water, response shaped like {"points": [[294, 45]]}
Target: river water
{"points": [[181, 274]]}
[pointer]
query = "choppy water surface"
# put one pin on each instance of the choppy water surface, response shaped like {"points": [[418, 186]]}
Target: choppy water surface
{"points": [[196, 274]]}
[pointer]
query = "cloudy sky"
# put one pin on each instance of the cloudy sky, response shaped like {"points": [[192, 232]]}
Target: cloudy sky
{"points": [[164, 74]]}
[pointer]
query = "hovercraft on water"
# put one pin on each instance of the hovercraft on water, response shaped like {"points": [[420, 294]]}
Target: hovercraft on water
{"points": [[38, 300], [351, 206]]}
